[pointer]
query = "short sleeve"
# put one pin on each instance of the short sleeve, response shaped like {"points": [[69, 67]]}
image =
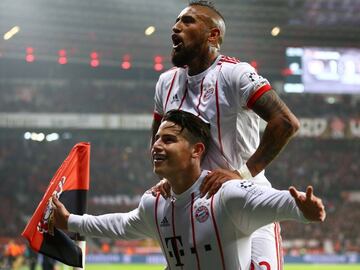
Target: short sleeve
{"points": [[158, 99], [249, 84]]}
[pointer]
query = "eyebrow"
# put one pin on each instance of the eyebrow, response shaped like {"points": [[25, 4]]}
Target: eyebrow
{"points": [[184, 17]]}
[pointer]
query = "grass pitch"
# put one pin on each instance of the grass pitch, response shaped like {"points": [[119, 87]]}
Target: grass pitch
{"points": [[161, 267]]}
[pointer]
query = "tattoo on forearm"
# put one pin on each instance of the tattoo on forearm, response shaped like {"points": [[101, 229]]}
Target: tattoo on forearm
{"points": [[277, 133]]}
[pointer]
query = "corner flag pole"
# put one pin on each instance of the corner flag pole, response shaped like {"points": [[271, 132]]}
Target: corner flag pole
{"points": [[81, 244]]}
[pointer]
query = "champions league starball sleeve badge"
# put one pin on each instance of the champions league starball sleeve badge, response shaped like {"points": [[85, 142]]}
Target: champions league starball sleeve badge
{"points": [[70, 184]]}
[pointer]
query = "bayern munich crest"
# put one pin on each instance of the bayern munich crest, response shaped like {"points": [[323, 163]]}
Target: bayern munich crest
{"points": [[208, 93], [202, 214]]}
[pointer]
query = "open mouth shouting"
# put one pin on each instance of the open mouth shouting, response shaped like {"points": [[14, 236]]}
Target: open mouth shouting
{"points": [[177, 42]]}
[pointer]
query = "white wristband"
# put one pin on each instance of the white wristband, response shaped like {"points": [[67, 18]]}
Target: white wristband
{"points": [[244, 172]]}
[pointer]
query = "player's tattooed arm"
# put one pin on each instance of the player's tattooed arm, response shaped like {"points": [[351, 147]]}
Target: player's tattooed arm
{"points": [[281, 126]]}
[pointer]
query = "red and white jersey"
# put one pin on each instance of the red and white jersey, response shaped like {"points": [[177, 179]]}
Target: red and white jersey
{"points": [[194, 232], [223, 96]]}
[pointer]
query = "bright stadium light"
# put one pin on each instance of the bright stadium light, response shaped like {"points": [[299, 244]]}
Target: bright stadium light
{"points": [[275, 31], [150, 30], [39, 137], [13, 31], [27, 135], [52, 137]]}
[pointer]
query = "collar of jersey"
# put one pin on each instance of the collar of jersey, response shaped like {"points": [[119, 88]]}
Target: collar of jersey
{"points": [[202, 74], [194, 188]]}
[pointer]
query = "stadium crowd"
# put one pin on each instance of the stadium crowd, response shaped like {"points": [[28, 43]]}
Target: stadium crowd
{"points": [[98, 96]]}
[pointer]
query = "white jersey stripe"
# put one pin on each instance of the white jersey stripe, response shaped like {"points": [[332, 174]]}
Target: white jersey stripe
{"points": [[193, 231], [217, 232]]}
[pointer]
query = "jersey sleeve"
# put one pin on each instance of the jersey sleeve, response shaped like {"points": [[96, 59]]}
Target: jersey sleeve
{"points": [[127, 226], [158, 100], [251, 206], [248, 84]]}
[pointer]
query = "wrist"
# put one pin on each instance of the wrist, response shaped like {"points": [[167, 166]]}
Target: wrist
{"points": [[244, 172]]}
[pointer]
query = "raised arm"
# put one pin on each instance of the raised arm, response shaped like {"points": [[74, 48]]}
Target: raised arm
{"points": [[129, 225], [281, 126], [251, 206]]}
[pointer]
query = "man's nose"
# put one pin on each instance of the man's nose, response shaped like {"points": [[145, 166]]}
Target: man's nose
{"points": [[176, 28], [157, 144]]}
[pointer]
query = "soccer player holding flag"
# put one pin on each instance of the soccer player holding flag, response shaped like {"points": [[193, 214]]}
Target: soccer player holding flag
{"points": [[70, 183], [195, 232]]}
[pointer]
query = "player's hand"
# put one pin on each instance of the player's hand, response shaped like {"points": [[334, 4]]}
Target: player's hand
{"points": [[214, 180], [311, 206], [163, 187], [61, 214]]}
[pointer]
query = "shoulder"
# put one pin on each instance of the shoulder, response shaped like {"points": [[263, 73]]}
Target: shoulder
{"points": [[237, 189], [147, 201], [233, 68], [170, 73]]}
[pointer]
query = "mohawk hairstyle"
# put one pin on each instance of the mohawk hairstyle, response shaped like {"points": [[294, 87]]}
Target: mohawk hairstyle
{"points": [[206, 3]]}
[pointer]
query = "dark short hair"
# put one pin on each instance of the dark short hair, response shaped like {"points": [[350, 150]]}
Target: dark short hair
{"points": [[208, 4], [197, 129]]}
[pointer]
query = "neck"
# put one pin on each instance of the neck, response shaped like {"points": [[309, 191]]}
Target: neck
{"points": [[202, 62], [184, 180]]}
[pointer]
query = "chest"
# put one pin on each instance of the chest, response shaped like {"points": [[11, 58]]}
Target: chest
{"points": [[189, 233], [205, 96]]}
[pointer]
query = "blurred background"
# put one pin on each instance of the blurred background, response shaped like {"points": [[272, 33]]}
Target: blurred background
{"points": [[86, 70]]}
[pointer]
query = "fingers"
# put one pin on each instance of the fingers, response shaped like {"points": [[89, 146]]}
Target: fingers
{"points": [[163, 187], [56, 201], [293, 191], [309, 192], [206, 184], [214, 188]]}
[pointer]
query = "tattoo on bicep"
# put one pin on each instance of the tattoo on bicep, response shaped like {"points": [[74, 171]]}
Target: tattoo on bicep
{"points": [[269, 104]]}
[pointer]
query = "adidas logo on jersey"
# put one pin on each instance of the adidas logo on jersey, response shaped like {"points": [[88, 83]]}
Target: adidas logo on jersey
{"points": [[164, 222]]}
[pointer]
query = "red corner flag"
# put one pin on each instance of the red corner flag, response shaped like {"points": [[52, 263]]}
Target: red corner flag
{"points": [[70, 183]]}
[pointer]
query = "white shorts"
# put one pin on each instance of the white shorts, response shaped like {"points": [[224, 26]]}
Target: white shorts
{"points": [[266, 250]]}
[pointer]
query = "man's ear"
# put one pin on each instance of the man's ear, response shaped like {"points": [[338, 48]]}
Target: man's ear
{"points": [[198, 150], [214, 36]]}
